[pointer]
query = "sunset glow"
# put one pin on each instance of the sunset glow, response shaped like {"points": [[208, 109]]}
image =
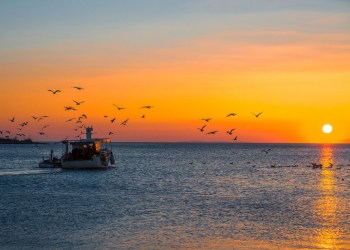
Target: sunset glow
{"points": [[187, 59]]}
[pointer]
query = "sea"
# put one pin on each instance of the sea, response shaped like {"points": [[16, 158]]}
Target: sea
{"points": [[179, 196]]}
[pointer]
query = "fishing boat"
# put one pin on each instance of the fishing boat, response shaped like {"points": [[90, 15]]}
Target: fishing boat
{"points": [[89, 153], [51, 162]]}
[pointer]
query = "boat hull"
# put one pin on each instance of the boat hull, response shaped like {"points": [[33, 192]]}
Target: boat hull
{"points": [[50, 164], [94, 163]]}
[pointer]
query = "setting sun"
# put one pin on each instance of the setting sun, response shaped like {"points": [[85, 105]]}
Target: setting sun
{"points": [[327, 128]]}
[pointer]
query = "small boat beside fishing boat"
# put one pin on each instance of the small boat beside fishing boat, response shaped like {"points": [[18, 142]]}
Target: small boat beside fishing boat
{"points": [[51, 162]]}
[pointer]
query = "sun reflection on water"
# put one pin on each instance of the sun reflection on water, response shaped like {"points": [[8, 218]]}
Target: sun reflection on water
{"points": [[326, 206]]}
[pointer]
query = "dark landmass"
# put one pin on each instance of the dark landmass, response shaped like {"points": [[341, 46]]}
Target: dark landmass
{"points": [[16, 141]]}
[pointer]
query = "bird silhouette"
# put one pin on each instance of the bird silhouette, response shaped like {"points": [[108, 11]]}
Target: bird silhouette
{"points": [[45, 126], [231, 114], [266, 151], [230, 132], [202, 128], [124, 122], [206, 119], [12, 120], [71, 119], [142, 116], [67, 108], [119, 108], [113, 120], [235, 139], [82, 116], [78, 103], [146, 107], [212, 132], [34, 117], [110, 133], [54, 91], [78, 88], [257, 115]]}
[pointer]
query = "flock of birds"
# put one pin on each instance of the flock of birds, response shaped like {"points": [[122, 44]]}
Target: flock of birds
{"points": [[229, 132], [79, 121]]}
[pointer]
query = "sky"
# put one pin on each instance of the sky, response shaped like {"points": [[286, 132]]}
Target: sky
{"points": [[190, 60]]}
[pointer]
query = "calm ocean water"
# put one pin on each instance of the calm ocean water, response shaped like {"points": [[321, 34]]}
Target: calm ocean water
{"points": [[179, 196]]}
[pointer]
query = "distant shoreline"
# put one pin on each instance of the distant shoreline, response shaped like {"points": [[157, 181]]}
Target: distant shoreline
{"points": [[16, 141]]}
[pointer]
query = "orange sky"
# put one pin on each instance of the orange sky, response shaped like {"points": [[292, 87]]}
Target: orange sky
{"points": [[296, 73]]}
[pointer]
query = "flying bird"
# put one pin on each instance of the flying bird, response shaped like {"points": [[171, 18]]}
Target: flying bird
{"points": [[257, 115], [78, 88], [12, 120], [119, 108], [78, 103], [41, 133], [71, 119], [34, 117], [23, 124], [82, 116], [235, 139], [110, 133], [232, 114], [113, 120], [212, 132], [54, 91], [230, 132], [67, 108], [143, 116], [206, 119], [202, 128], [146, 107], [124, 122]]}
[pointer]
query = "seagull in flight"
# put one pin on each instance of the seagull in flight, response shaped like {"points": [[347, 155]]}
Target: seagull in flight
{"points": [[12, 120], [78, 103], [235, 139], [82, 116], [71, 119], [54, 91], [212, 132], [45, 127], [113, 120], [257, 115], [206, 119], [119, 108], [78, 88], [67, 108], [232, 114], [230, 132], [124, 122], [202, 128], [110, 133], [146, 107]]}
